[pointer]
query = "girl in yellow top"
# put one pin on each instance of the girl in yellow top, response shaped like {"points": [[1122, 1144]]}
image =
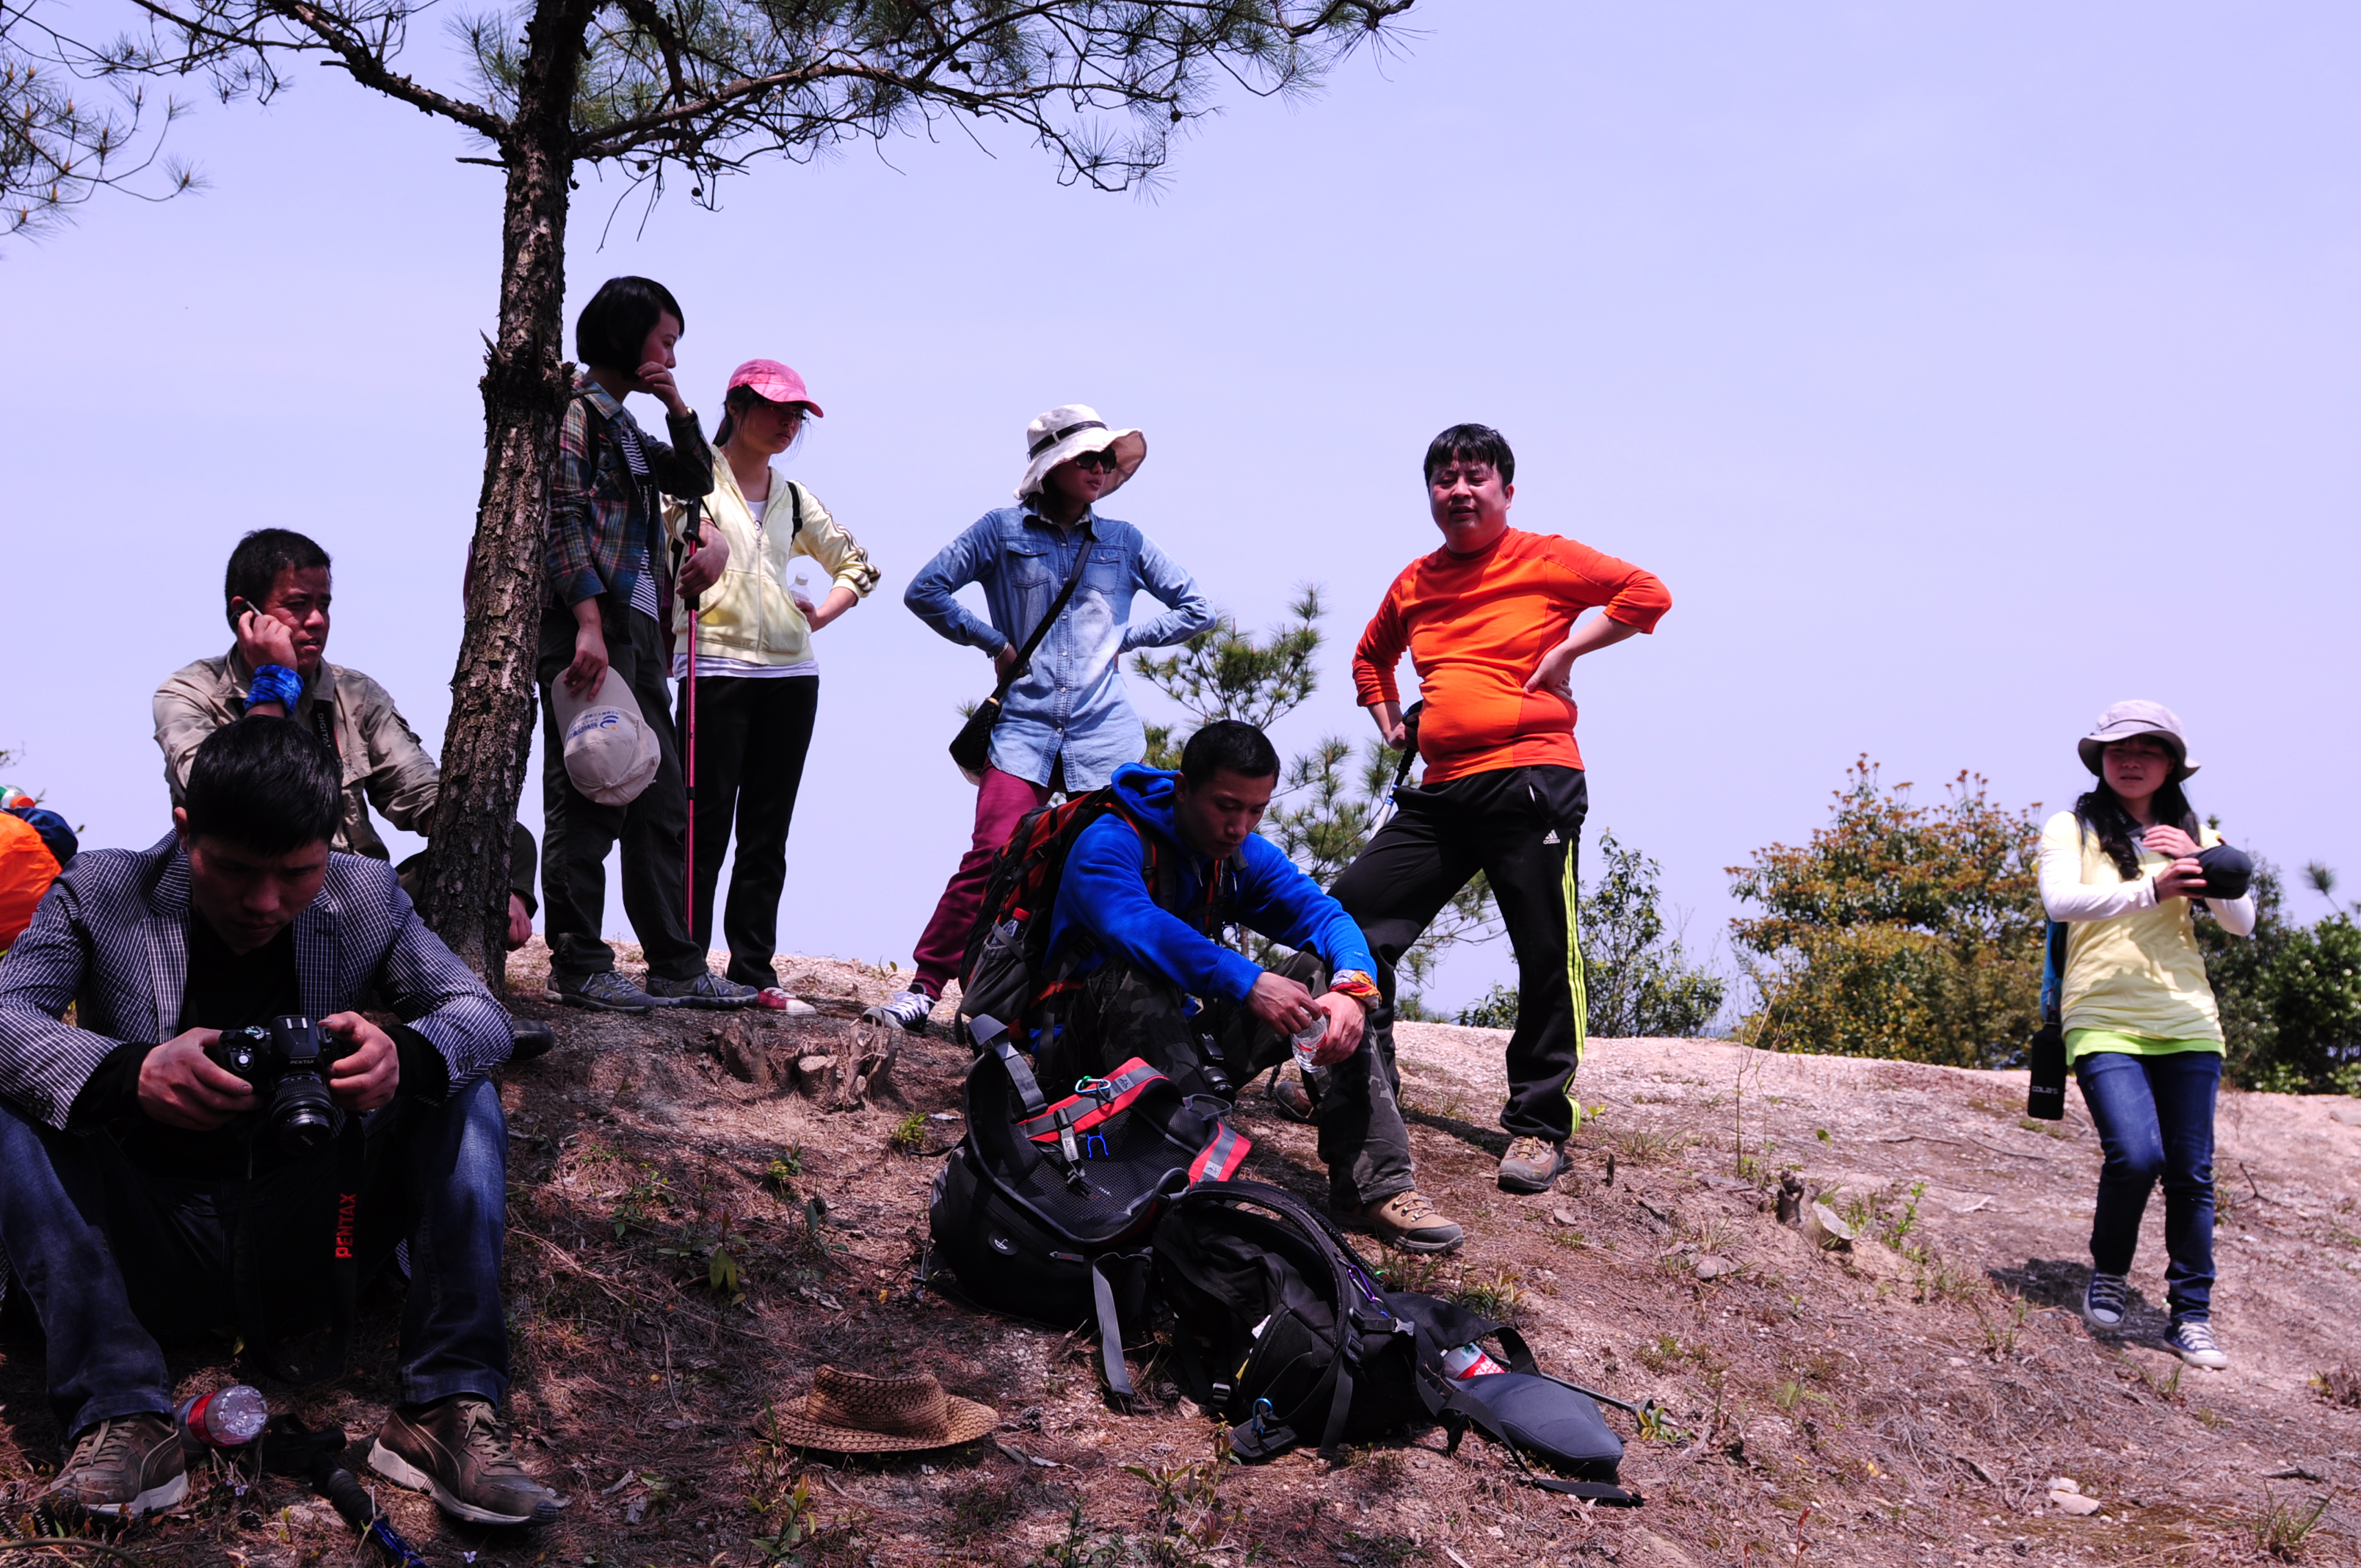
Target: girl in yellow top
{"points": [[757, 682], [2142, 1030]]}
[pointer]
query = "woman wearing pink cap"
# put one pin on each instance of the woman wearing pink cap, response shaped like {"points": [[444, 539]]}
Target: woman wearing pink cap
{"points": [[757, 683]]}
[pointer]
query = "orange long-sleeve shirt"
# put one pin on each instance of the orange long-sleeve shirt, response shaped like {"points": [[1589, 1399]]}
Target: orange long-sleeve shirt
{"points": [[1475, 626]]}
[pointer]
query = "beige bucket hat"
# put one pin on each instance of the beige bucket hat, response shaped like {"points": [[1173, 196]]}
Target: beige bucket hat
{"points": [[1068, 431], [2125, 719], [852, 1412]]}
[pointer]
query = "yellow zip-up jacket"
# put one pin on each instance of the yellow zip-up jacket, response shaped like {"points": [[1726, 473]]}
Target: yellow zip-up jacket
{"points": [[750, 614]]}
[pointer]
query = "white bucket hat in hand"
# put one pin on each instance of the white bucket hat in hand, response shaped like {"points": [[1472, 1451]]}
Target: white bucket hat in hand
{"points": [[1068, 431], [610, 753]]}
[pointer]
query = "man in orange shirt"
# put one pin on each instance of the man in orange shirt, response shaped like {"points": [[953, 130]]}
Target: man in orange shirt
{"points": [[1489, 622]]}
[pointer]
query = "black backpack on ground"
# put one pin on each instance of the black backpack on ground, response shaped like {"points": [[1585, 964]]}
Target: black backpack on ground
{"points": [[1044, 1210], [1284, 1332]]}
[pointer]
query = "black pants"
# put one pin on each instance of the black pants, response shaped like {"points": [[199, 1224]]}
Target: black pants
{"points": [[1123, 1013], [751, 741], [576, 831], [1520, 828]]}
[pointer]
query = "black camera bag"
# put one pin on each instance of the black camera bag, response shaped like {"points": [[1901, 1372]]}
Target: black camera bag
{"points": [[1044, 1210]]}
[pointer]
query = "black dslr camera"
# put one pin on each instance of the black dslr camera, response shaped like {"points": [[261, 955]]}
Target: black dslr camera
{"points": [[288, 1066]]}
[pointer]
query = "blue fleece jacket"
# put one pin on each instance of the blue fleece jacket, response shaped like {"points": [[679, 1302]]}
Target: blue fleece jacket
{"points": [[1105, 895]]}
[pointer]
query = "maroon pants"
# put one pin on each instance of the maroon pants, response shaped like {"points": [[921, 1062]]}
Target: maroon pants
{"points": [[1001, 801]]}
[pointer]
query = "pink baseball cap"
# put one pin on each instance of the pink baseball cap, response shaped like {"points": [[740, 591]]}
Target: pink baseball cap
{"points": [[773, 382]]}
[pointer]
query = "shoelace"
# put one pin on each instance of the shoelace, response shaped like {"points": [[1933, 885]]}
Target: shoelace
{"points": [[114, 1440], [1532, 1149], [1411, 1206], [486, 1439], [2107, 1293], [2197, 1335]]}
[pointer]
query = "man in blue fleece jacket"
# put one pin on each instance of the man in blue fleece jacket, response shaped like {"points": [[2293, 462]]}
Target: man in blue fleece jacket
{"points": [[1144, 896]]}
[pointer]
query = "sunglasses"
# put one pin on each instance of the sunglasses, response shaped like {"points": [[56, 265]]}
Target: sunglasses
{"points": [[1103, 460]]}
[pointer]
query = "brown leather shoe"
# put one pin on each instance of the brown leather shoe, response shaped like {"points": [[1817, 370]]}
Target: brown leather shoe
{"points": [[458, 1451], [1409, 1222], [128, 1465]]}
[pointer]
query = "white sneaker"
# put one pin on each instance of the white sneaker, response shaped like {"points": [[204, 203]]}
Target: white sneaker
{"points": [[2104, 1300], [2193, 1339], [906, 1009]]}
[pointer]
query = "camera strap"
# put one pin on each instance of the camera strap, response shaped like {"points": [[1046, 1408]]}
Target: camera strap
{"points": [[344, 1267]]}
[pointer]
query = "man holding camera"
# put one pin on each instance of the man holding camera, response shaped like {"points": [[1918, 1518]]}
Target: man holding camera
{"points": [[148, 1192]]}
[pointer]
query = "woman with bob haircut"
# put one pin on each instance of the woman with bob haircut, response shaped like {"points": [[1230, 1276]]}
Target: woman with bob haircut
{"points": [[2142, 1030], [757, 687]]}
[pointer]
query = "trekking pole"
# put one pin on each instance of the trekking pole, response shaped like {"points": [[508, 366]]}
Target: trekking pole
{"points": [[692, 536], [1402, 769]]}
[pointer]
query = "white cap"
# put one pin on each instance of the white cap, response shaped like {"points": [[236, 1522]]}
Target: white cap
{"points": [[610, 753]]}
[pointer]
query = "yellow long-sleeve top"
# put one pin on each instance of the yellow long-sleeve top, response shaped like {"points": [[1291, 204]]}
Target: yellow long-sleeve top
{"points": [[750, 615]]}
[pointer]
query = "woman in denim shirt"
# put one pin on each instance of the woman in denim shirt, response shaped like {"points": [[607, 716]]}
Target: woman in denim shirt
{"points": [[1066, 722]]}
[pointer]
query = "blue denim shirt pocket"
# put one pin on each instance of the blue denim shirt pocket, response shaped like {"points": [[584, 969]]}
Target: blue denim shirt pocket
{"points": [[1109, 572]]}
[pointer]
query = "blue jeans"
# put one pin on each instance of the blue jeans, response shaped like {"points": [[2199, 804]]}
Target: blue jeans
{"points": [[2155, 1116], [116, 1257]]}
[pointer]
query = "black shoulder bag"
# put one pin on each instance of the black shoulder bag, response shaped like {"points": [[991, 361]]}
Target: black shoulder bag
{"points": [[2045, 1094], [972, 748]]}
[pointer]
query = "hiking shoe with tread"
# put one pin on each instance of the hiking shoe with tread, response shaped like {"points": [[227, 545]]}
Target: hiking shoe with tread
{"points": [[123, 1466], [2106, 1299], [458, 1451], [709, 991], [1408, 1221], [1290, 1096], [1532, 1164], [605, 991], [2193, 1339], [905, 1010]]}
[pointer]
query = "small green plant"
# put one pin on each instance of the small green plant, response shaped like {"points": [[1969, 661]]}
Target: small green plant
{"points": [[1655, 1427], [792, 1521], [1999, 1338], [1573, 1241], [909, 1133], [2339, 1386], [1663, 1352], [1939, 1279], [635, 1206], [2283, 1528], [1416, 1271], [1495, 1292], [780, 1175]]}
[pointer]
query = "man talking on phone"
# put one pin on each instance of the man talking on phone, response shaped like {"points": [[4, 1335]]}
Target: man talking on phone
{"points": [[150, 1194]]}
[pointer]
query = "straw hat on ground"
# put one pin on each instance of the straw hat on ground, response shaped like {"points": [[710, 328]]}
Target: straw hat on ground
{"points": [[1068, 431], [851, 1412]]}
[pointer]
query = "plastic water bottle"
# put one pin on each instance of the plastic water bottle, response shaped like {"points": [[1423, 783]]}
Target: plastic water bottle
{"points": [[1469, 1361], [226, 1417], [1306, 1040]]}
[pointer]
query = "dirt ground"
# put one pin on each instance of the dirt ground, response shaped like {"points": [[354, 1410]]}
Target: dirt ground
{"points": [[1902, 1403]]}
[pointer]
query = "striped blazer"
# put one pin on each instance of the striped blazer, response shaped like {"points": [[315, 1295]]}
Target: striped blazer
{"points": [[111, 937]]}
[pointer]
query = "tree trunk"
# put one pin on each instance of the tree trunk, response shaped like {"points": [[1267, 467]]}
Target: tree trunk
{"points": [[524, 385]]}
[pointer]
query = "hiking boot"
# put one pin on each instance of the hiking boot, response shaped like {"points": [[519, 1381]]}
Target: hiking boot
{"points": [[458, 1451], [529, 1039], [2193, 1339], [1409, 1222], [778, 1000], [1290, 1098], [905, 1010], [605, 991], [2104, 1300], [710, 991], [128, 1465], [1531, 1164]]}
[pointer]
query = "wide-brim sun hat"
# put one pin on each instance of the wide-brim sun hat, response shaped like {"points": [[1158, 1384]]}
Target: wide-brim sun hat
{"points": [[2124, 720], [852, 1412], [774, 383], [1068, 431]]}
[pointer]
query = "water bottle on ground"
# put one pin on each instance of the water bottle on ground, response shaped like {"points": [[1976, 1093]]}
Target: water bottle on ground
{"points": [[226, 1417], [1469, 1361]]}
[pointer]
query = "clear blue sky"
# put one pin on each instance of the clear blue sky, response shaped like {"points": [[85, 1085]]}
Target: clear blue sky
{"points": [[1960, 367]]}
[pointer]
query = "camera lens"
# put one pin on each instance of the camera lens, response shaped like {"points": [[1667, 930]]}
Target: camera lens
{"points": [[301, 1117]]}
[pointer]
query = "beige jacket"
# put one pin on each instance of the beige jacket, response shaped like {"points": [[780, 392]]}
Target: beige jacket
{"points": [[749, 614], [384, 763]]}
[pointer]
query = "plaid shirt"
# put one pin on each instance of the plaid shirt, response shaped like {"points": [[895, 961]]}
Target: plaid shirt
{"points": [[603, 521], [111, 939]]}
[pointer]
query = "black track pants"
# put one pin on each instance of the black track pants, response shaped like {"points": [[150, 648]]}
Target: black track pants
{"points": [[1520, 828], [752, 736]]}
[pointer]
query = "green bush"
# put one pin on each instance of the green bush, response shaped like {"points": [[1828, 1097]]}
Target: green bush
{"points": [[2290, 997], [1899, 930]]}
